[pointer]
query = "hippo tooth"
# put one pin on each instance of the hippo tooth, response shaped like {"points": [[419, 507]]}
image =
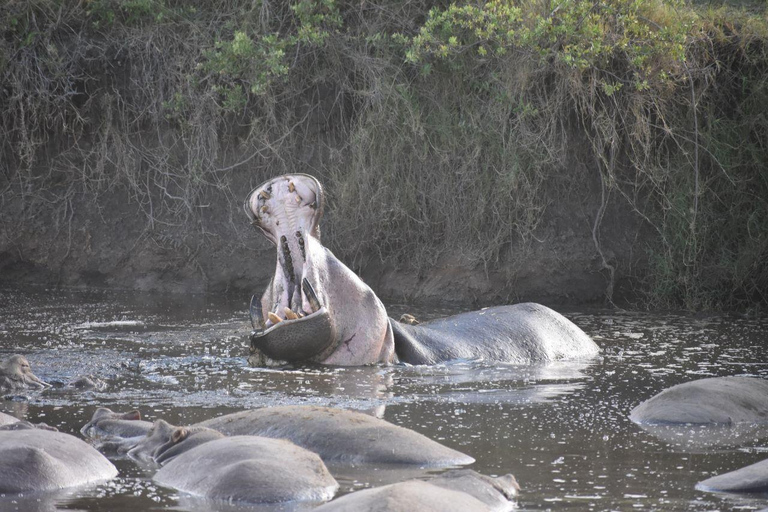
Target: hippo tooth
{"points": [[274, 318], [291, 186], [264, 209], [298, 199], [264, 195], [290, 315], [310, 294]]}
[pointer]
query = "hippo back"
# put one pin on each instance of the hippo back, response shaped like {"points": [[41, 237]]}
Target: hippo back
{"points": [[520, 333], [41, 460], [338, 435], [249, 469]]}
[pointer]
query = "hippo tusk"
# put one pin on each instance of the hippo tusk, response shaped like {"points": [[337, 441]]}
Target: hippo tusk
{"points": [[290, 314], [309, 292], [274, 318], [257, 321]]}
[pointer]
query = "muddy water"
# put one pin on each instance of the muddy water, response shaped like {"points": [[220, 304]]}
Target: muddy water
{"points": [[561, 429]]}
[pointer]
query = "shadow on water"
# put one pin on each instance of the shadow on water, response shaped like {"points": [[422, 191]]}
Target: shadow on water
{"points": [[561, 428]]}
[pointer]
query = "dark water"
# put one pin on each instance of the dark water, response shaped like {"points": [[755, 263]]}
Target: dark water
{"points": [[561, 429]]}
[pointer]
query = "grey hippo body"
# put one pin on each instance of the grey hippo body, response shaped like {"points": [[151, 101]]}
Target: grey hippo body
{"points": [[725, 411], [715, 401], [315, 309], [37, 460], [115, 432], [751, 479], [454, 491], [249, 469], [7, 419], [336, 435]]}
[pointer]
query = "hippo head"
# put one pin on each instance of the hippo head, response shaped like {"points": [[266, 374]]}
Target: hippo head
{"points": [[315, 308], [165, 441], [108, 423], [17, 370]]}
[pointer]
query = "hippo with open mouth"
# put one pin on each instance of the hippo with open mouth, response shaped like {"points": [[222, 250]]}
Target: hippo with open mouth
{"points": [[315, 309]]}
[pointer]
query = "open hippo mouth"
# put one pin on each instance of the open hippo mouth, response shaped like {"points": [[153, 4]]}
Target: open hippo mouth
{"points": [[290, 321]]}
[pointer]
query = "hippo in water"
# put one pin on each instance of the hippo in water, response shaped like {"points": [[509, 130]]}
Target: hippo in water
{"points": [[707, 413], [16, 374], [115, 432], [715, 401], [315, 309], [249, 469], [7, 419], [34, 459], [164, 441], [751, 479], [454, 491], [336, 435]]}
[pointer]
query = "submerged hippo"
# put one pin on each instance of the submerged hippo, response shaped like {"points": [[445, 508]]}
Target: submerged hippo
{"points": [[707, 413], [316, 309], [16, 374], [751, 479], [115, 432], [249, 469], [7, 419], [454, 491], [164, 441], [715, 401], [34, 459], [336, 435]]}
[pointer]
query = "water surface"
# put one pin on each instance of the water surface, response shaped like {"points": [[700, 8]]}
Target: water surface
{"points": [[561, 428]]}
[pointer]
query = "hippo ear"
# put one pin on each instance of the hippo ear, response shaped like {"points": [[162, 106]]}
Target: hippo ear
{"points": [[179, 435], [132, 415]]}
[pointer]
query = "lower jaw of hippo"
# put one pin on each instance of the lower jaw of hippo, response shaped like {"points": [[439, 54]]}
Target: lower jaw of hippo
{"points": [[302, 339]]}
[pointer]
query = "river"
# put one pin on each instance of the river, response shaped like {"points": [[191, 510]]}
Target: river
{"points": [[562, 429]]}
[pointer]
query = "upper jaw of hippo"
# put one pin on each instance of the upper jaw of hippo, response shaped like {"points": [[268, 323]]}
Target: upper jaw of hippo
{"points": [[290, 322]]}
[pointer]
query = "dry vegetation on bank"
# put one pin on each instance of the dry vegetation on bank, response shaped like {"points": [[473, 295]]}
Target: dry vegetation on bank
{"points": [[437, 126]]}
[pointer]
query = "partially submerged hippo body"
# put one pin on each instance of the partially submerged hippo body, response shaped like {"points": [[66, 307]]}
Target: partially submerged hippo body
{"points": [[316, 309], [7, 419], [37, 460], [115, 432], [454, 491], [249, 469], [16, 374], [715, 401], [164, 441], [336, 435], [751, 479], [707, 413]]}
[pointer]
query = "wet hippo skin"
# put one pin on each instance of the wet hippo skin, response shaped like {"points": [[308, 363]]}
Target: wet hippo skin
{"points": [[34, 459], [316, 309], [336, 435], [249, 469], [454, 491], [719, 400]]}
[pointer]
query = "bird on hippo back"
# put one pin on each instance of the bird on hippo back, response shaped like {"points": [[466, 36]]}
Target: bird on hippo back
{"points": [[315, 309]]}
